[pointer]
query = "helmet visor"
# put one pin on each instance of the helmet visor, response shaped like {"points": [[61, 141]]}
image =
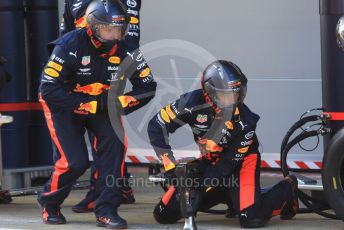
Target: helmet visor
{"points": [[109, 32], [226, 98]]}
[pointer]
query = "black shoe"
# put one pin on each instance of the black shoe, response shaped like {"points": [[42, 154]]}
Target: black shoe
{"points": [[230, 213], [291, 208], [111, 222], [53, 216], [5, 197], [127, 196]]}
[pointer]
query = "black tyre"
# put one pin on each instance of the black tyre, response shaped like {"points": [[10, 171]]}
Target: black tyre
{"points": [[333, 174]]}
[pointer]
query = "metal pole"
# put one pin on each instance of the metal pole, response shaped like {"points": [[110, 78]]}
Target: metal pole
{"points": [[332, 62], [3, 120]]}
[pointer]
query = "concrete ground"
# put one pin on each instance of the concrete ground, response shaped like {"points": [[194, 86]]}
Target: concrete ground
{"points": [[23, 212]]}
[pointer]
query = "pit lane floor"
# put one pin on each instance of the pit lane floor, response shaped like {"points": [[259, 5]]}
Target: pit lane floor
{"points": [[23, 212]]}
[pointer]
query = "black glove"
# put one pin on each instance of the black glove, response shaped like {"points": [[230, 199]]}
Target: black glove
{"points": [[103, 101]]}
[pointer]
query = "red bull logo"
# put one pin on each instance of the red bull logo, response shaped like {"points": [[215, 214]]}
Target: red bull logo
{"points": [[128, 101], [90, 107], [211, 146], [93, 89]]}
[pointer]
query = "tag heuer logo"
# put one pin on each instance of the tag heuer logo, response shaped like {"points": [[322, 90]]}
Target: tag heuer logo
{"points": [[86, 60], [201, 118]]}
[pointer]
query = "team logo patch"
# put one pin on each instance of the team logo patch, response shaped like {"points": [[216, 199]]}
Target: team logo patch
{"points": [[128, 101], [86, 60], [89, 106], [114, 60], [201, 118], [165, 116], [51, 72], [249, 135], [134, 20], [145, 72], [131, 3], [170, 113], [229, 125], [54, 65], [243, 150]]}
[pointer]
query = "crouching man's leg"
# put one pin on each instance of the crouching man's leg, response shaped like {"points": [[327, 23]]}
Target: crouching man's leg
{"points": [[167, 211], [256, 209]]}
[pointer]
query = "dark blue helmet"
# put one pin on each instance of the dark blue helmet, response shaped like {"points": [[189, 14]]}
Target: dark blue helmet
{"points": [[107, 13], [224, 77]]}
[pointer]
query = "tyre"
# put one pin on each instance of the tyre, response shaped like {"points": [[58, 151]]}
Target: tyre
{"points": [[333, 174]]}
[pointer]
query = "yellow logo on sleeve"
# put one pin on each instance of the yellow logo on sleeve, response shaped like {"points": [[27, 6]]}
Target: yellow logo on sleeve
{"points": [[170, 112], [54, 65], [51, 72], [134, 20], [165, 116], [145, 72]]}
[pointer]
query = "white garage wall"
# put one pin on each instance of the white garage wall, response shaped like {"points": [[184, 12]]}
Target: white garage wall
{"points": [[275, 42]]}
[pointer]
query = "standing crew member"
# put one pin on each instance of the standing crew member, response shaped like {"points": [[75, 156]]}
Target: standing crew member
{"points": [[74, 90], [74, 18]]}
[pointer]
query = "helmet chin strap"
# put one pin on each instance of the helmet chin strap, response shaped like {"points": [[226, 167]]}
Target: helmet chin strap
{"points": [[107, 48], [210, 102]]}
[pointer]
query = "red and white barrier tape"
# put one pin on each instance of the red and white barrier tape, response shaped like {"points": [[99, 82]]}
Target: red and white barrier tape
{"points": [[142, 156]]}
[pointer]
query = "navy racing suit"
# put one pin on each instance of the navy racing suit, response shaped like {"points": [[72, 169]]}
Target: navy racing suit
{"points": [[234, 157], [74, 18], [73, 90]]}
